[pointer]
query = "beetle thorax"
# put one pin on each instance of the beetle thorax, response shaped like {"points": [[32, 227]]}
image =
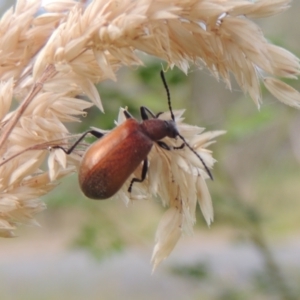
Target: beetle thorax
{"points": [[157, 129]]}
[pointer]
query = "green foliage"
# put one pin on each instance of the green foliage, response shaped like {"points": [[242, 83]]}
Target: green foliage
{"points": [[241, 123], [67, 195], [99, 241], [150, 76], [233, 294], [197, 271]]}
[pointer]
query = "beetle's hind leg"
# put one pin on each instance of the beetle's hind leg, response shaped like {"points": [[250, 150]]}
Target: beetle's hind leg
{"points": [[166, 147], [95, 133], [144, 173]]}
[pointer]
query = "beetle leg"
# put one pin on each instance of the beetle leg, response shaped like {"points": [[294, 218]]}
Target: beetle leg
{"points": [[163, 145], [144, 110], [95, 133], [166, 147], [127, 115], [144, 173], [158, 114], [179, 147]]}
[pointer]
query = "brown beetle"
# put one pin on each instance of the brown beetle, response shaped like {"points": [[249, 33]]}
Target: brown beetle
{"points": [[109, 161]]}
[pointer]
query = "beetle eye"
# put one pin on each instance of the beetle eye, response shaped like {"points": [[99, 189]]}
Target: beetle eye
{"points": [[171, 129], [169, 126]]}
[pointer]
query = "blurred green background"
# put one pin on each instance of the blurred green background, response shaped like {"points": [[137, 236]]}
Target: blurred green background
{"points": [[89, 249]]}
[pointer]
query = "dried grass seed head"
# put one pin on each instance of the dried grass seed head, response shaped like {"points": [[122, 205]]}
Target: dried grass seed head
{"points": [[177, 178], [98, 39]]}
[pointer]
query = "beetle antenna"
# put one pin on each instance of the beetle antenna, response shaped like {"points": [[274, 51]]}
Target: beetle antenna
{"points": [[168, 93], [173, 118], [201, 159]]}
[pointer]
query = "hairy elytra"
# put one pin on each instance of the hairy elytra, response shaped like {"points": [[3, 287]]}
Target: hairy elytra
{"points": [[109, 162]]}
